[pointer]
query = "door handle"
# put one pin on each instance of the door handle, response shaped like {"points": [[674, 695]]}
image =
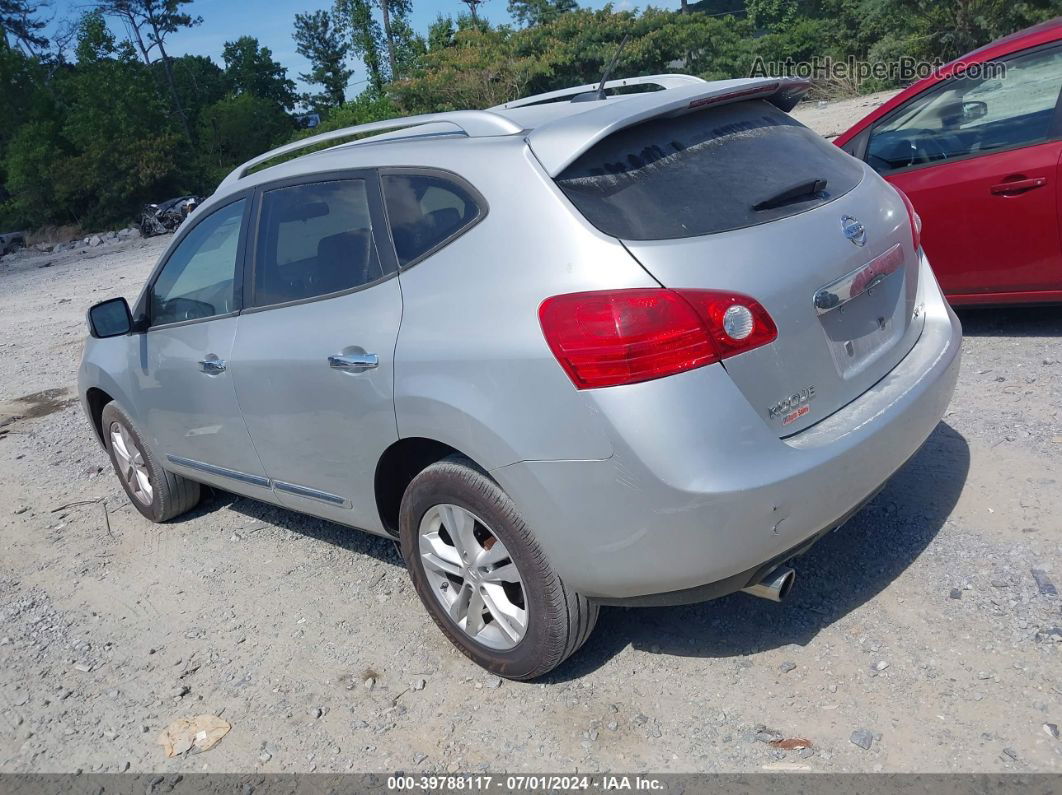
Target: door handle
{"points": [[353, 362], [1017, 186], [212, 366]]}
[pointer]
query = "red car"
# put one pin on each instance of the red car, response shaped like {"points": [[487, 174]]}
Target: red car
{"points": [[977, 147]]}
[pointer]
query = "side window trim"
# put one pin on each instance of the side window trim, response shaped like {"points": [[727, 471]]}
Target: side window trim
{"points": [[388, 262], [142, 312], [428, 171], [1054, 131]]}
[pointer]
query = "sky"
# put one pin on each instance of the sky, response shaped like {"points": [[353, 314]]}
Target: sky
{"points": [[271, 22]]}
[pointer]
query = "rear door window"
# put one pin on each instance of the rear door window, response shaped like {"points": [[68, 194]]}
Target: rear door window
{"points": [[314, 240], [426, 212], [724, 168]]}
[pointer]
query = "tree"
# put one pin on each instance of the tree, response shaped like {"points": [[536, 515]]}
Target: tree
{"points": [[365, 108], [409, 47], [530, 13], [472, 6], [121, 148], [237, 128], [199, 82], [19, 27], [956, 27], [392, 38], [319, 39], [441, 33], [481, 68], [772, 14], [366, 40], [251, 69], [149, 23]]}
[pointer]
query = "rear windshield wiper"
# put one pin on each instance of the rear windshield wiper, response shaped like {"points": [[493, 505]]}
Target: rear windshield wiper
{"points": [[807, 188]]}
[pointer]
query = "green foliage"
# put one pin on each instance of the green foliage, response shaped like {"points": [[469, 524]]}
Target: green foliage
{"points": [[237, 128], [319, 39], [946, 30], [355, 18], [480, 69], [125, 123], [365, 108], [441, 33], [20, 26], [252, 70], [30, 156], [539, 12], [120, 148], [198, 81]]}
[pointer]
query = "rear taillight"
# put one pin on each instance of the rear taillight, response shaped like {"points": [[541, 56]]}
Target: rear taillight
{"points": [[613, 337], [916, 219]]}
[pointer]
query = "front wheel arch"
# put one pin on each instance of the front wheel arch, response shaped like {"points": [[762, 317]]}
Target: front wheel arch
{"points": [[97, 400]]}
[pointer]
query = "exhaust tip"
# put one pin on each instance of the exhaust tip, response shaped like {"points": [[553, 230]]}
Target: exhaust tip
{"points": [[775, 586], [788, 580]]}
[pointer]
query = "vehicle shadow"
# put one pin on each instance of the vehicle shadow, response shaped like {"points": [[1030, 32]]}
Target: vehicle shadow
{"points": [[840, 573], [346, 538], [1033, 321]]}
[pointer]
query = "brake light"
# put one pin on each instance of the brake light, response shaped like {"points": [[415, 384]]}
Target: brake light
{"points": [[613, 337], [916, 219]]}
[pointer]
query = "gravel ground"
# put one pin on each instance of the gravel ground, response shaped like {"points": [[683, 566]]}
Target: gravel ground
{"points": [[924, 636]]}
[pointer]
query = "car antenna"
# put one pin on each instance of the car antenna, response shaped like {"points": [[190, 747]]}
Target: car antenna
{"points": [[600, 93]]}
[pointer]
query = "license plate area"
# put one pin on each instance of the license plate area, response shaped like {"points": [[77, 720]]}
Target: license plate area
{"points": [[865, 312]]}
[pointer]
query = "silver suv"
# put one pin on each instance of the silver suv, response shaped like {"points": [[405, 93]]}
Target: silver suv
{"points": [[580, 349]]}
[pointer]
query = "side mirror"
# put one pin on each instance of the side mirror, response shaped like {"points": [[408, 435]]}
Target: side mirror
{"points": [[974, 110], [110, 318]]}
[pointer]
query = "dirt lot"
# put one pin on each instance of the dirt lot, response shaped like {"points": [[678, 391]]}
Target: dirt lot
{"points": [[920, 629]]}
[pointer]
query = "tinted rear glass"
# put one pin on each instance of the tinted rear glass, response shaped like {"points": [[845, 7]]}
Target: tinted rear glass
{"points": [[705, 172], [425, 211], [314, 240]]}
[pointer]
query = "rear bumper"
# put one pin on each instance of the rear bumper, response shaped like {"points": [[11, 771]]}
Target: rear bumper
{"points": [[700, 496]]}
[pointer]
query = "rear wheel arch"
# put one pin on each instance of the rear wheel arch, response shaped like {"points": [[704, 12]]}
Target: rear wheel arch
{"points": [[399, 464]]}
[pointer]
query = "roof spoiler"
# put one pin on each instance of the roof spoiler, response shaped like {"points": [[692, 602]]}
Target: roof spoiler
{"points": [[661, 81], [473, 123], [560, 142]]}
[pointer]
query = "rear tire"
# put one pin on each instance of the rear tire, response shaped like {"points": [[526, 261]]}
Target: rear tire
{"points": [[532, 621], [159, 495]]}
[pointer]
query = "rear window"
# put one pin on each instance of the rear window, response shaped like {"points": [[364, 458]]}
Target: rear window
{"points": [[725, 168]]}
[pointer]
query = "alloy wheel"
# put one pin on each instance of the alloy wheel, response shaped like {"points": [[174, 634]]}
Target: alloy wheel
{"points": [[131, 465], [471, 573]]}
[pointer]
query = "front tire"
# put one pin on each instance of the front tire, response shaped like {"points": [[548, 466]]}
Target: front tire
{"points": [[482, 577], [159, 495]]}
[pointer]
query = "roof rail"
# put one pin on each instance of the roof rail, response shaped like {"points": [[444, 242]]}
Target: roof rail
{"points": [[473, 123], [663, 81]]}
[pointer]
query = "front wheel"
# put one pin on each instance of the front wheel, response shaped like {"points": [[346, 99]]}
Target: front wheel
{"points": [[483, 578], [157, 494]]}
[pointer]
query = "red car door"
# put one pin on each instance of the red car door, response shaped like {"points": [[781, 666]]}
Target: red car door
{"points": [[978, 154], [991, 223]]}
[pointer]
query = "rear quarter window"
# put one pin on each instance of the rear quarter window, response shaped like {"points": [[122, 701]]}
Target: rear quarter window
{"points": [[706, 172], [426, 211]]}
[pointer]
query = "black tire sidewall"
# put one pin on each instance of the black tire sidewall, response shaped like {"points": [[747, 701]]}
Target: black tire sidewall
{"points": [[478, 494], [111, 414]]}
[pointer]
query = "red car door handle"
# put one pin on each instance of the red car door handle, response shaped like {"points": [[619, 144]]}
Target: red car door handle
{"points": [[1017, 186]]}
